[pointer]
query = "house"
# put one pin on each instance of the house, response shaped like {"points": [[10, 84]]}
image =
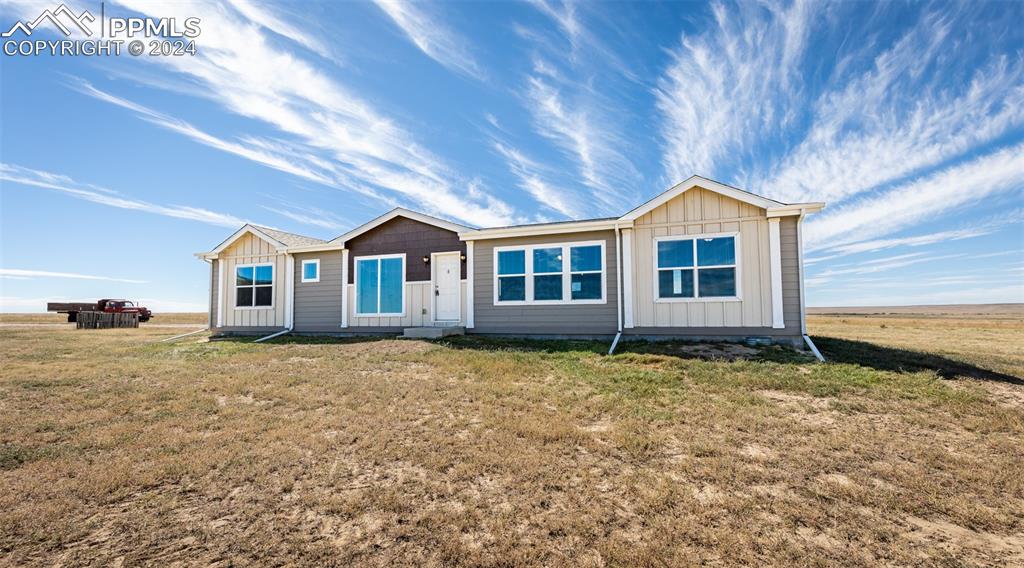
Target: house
{"points": [[703, 260]]}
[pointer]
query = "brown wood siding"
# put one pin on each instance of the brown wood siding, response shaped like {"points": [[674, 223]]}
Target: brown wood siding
{"points": [[403, 235]]}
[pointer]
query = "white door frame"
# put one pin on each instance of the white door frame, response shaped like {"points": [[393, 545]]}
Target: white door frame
{"points": [[433, 286]]}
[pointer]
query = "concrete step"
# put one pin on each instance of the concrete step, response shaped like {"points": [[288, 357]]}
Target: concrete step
{"points": [[432, 332]]}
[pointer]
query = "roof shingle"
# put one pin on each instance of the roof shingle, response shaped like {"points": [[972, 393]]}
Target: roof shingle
{"points": [[290, 239]]}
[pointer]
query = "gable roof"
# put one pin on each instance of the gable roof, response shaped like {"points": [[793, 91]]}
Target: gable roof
{"points": [[399, 212], [773, 208], [705, 183], [280, 240]]}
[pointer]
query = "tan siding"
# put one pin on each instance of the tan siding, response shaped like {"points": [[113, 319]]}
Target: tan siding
{"points": [[700, 211], [252, 250]]}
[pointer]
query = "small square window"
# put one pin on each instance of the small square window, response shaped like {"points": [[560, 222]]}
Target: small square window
{"points": [[311, 270]]}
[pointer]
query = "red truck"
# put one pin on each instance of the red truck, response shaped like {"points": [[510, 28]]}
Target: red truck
{"points": [[107, 305]]}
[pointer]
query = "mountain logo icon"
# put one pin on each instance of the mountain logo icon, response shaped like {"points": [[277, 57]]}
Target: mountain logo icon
{"points": [[82, 21]]}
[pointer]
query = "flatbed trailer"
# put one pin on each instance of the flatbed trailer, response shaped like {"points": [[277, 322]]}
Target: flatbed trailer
{"points": [[72, 309], [106, 305]]}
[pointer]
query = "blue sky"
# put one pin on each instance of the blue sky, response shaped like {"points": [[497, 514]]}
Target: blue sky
{"points": [[908, 119]]}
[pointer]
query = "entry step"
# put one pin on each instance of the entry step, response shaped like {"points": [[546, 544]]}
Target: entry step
{"points": [[432, 332]]}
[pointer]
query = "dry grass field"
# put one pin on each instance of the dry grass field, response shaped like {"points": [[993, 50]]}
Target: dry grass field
{"points": [[906, 449]]}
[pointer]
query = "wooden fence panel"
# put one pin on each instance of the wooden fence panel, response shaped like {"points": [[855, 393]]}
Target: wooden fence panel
{"points": [[103, 320]]}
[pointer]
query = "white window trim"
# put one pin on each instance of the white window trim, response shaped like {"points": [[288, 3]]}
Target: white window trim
{"points": [[273, 285], [696, 287], [566, 274], [315, 261], [355, 294]]}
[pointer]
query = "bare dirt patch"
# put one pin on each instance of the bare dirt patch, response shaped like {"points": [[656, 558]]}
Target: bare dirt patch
{"points": [[963, 542]]}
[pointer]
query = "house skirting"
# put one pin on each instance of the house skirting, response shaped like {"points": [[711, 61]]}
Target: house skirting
{"points": [[726, 335]]}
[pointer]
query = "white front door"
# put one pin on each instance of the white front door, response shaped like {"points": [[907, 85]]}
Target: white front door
{"points": [[447, 268]]}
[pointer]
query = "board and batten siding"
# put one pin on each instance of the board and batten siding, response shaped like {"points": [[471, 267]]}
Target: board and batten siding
{"points": [[251, 249], [318, 304], [699, 211], [542, 319]]}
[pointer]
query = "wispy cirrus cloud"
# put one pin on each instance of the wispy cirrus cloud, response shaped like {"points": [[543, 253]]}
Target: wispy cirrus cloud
{"points": [[267, 18], [570, 95], [260, 151], [529, 174], [877, 265], [893, 120], [572, 130], [897, 133], [355, 146], [577, 121], [563, 14], [732, 87], [876, 118], [102, 196], [432, 36], [23, 273], [309, 216], [977, 229], [923, 199]]}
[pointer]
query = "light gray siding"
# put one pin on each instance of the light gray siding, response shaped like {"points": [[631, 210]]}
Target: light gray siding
{"points": [[318, 304], [214, 289], [565, 319]]}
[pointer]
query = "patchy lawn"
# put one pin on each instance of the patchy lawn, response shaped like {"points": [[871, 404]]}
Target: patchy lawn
{"points": [[117, 449]]}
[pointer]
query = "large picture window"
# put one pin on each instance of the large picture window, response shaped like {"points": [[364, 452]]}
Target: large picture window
{"points": [[380, 285], [555, 273], [696, 267], [254, 286]]}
